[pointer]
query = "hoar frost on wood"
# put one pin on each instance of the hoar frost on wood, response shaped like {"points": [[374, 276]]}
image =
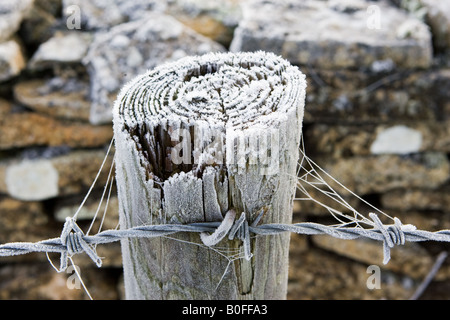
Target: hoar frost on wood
{"points": [[194, 139]]}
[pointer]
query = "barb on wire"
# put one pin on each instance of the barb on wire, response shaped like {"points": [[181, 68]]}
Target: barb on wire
{"points": [[73, 241]]}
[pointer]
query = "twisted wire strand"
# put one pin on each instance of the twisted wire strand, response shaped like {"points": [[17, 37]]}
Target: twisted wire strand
{"points": [[74, 241]]}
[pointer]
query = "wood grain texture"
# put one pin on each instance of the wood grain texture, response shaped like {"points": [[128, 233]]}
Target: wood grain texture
{"points": [[195, 138]]}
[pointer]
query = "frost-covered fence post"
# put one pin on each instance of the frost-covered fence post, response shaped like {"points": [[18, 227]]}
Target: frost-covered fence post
{"points": [[195, 139]]}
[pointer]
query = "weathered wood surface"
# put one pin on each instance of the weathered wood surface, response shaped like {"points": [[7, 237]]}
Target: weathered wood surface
{"points": [[195, 138]]}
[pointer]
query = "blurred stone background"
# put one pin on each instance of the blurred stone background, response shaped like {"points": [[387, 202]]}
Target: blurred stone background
{"points": [[377, 118]]}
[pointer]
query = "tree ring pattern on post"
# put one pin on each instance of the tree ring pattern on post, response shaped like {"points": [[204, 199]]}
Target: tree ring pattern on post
{"points": [[226, 91]]}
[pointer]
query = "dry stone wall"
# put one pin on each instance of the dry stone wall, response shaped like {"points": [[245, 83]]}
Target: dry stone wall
{"points": [[377, 118]]}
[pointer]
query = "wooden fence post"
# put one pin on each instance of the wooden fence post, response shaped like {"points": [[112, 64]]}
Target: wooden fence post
{"points": [[194, 139]]}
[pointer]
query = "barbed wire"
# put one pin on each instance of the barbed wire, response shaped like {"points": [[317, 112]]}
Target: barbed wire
{"points": [[73, 240]]}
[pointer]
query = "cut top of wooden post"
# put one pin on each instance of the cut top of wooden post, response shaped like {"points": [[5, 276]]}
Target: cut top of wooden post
{"points": [[207, 95]]}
